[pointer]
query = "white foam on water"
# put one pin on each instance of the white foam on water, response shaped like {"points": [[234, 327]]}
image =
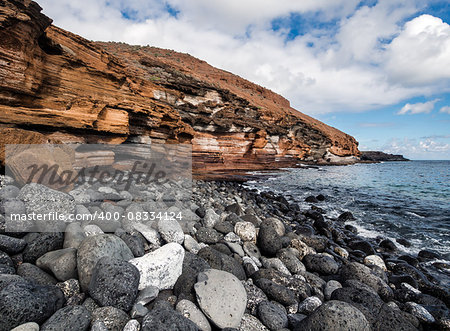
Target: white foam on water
{"points": [[414, 214]]}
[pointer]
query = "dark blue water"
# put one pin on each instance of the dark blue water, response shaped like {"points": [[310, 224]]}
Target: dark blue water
{"points": [[408, 200]]}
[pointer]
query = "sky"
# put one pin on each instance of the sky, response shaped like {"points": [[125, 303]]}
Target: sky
{"points": [[378, 70]]}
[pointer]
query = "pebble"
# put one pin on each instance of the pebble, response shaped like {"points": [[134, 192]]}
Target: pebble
{"points": [[114, 283], [164, 319], [277, 292], [245, 230], [160, 268], [211, 218], [62, 263], [208, 235], [11, 245], [420, 312], [189, 310], [221, 297], [30, 326], [330, 287], [190, 244], [251, 323], [67, 319], [93, 248], [272, 316], [73, 236], [321, 263], [132, 325], [112, 318], [35, 274], [171, 231], [308, 305], [375, 260], [92, 230]]}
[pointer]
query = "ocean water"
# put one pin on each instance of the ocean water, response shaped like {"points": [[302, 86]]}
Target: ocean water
{"points": [[408, 200]]}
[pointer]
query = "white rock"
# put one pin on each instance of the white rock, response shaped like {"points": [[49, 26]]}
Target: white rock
{"points": [[420, 312], [149, 233], [211, 218], [308, 305], [247, 259], [171, 231], [31, 326], [160, 268], [132, 325], [222, 297], [375, 260], [236, 248], [341, 251], [92, 230], [232, 237], [245, 230], [275, 263], [251, 323], [189, 310], [407, 286], [191, 244]]}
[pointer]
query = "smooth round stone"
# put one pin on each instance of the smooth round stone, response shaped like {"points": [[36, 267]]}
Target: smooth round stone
{"points": [[171, 231], [251, 249], [35, 274], [272, 316], [275, 263], [245, 230], [269, 240], [114, 319], [67, 319], [92, 230], [236, 248], [62, 263], [164, 319], [221, 297], [147, 295], [420, 312], [335, 315], [93, 249], [330, 287], [375, 260], [189, 310], [11, 245], [30, 326], [342, 252], [27, 302], [308, 305], [132, 325], [321, 263], [291, 261], [211, 218], [114, 283], [276, 292], [160, 268], [73, 236], [191, 244]]}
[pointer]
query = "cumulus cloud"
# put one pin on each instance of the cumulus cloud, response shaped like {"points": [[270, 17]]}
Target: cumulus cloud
{"points": [[418, 108], [426, 149], [445, 109], [352, 65]]}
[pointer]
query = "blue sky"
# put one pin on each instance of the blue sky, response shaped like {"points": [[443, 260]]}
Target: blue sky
{"points": [[376, 69]]}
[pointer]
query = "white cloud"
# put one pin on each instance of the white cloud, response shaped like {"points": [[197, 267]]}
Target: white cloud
{"points": [[351, 67], [418, 108], [421, 52], [445, 109], [427, 149]]}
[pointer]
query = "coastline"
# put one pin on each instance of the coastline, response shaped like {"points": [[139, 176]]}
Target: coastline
{"points": [[295, 268]]}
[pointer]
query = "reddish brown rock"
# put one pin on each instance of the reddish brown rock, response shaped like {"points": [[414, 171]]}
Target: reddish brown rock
{"points": [[74, 90]]}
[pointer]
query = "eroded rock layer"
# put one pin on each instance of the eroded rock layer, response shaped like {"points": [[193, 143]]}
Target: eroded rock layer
{"points": [[73, 90]]}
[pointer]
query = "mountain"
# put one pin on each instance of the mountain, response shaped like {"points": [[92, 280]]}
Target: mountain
{"points": [[57, 86]]}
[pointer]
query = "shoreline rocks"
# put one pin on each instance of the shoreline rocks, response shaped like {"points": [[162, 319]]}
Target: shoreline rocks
{"points": [[247, 261]]}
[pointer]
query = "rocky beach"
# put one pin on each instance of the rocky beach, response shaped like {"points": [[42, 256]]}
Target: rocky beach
{"points": [[236, 259]]}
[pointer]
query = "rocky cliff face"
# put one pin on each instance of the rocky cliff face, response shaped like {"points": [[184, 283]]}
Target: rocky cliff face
{"points": [[68, 89]]}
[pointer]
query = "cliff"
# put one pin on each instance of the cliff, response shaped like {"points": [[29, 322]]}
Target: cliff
{"points": [[376, 156], [57, 86]]}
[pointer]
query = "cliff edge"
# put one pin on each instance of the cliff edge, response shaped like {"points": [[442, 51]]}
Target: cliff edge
{"points": [[57, 86]]}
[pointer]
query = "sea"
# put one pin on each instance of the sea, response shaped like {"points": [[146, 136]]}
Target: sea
{"points": [[409, 200]]}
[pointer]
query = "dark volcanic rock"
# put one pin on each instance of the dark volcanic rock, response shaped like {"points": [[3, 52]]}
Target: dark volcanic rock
{"points": [[394, 319], [220, 261], [277, 292], [388, 245], [25, 302], [43, 243], [31, 272], [272, 316], [164, 319], [208, 235], [114, 283], [335, 315], [68, 319], [268, 239], [320, 263], [11, 245], [362, 245], [114, 319]]}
